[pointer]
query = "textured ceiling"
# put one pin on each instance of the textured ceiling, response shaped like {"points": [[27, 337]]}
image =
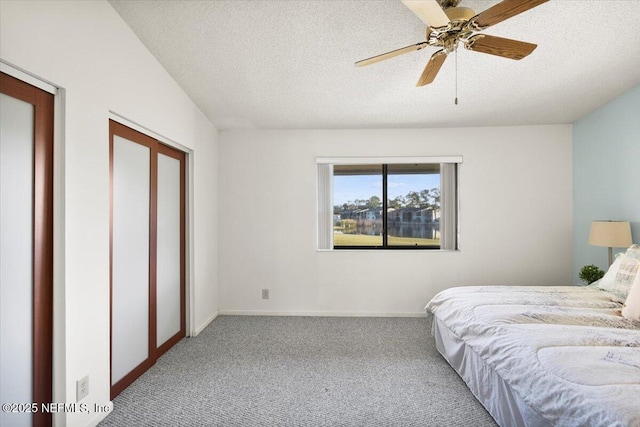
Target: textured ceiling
{"points": [[290, 64]]}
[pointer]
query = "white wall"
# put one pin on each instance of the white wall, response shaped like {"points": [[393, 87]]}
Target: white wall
{"points": [[516, 219], [205, 229], [86, 49]]}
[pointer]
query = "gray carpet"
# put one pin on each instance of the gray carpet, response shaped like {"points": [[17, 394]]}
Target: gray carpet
{"points": [[302, 371]]}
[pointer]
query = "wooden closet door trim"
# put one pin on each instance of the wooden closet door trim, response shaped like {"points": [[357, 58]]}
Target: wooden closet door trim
{"points": [[43, 256]]}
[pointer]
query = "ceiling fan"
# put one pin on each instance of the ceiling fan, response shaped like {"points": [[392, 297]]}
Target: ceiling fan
{"points": [[448, 25]]}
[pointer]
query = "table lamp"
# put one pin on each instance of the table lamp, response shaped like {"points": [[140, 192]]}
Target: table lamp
{"points": [[612, 234]]}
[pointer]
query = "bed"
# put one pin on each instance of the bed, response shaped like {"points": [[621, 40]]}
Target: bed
{"points": [[543, 355]]}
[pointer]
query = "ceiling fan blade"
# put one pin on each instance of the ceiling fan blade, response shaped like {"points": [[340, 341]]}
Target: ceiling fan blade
{"points": [[507, 48], [391, 54], [429, 11], [504, 10], [432, 68]]}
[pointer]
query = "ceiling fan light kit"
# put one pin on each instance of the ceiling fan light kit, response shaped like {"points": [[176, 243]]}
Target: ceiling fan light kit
{"points": [[449, 25]]}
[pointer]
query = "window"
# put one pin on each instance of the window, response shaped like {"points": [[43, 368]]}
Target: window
{"points": [[378, 205], [357, 206]]}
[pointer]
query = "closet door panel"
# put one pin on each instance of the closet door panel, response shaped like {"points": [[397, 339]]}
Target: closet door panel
{"points": [[168, 280], [130, 257], [16, 260]]}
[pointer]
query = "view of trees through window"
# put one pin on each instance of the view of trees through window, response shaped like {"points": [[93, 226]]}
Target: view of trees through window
{"points": [[411, 208]]}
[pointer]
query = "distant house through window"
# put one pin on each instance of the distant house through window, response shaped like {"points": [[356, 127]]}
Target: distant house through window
{"points": [[388, 205]]}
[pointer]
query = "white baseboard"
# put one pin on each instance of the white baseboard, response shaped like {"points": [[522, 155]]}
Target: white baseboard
{"points": [[205, 324], [319, 313]]}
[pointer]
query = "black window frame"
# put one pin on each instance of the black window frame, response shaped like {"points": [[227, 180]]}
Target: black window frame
{"points": [[385, 238]]}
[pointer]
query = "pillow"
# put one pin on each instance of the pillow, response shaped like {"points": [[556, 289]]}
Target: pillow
{"points": [[625, 276], [608, 281], [631, 309], [633, 252]]}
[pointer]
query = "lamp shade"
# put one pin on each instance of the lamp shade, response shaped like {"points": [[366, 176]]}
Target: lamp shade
{"points": [[613, 234]]}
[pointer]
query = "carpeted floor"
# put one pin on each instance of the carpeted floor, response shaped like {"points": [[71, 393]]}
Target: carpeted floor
{"points": [[302, 371]]}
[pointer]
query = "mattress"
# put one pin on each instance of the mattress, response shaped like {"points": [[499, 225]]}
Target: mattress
{"points": [[538, 356]]}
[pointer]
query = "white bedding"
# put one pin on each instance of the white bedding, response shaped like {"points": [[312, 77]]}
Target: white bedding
{"points": [[566, 352]]}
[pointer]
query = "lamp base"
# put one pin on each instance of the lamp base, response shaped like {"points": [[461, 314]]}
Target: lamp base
{"points": [[610, 256]]}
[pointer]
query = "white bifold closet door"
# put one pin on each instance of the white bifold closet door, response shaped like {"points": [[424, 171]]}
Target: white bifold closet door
{"points": [[147, 252]]}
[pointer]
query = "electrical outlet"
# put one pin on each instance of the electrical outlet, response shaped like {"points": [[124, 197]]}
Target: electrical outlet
{"points": [[265, 294], [82, 388]]}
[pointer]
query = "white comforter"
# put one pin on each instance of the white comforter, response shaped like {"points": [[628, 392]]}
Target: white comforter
{"points": [[565, 351]]}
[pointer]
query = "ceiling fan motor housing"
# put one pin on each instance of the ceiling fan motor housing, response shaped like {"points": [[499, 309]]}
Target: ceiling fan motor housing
{"points": [[446, 4], [449, 36]]}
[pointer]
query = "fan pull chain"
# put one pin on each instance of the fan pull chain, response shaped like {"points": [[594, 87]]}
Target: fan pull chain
{"points": [[456, 101]]}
